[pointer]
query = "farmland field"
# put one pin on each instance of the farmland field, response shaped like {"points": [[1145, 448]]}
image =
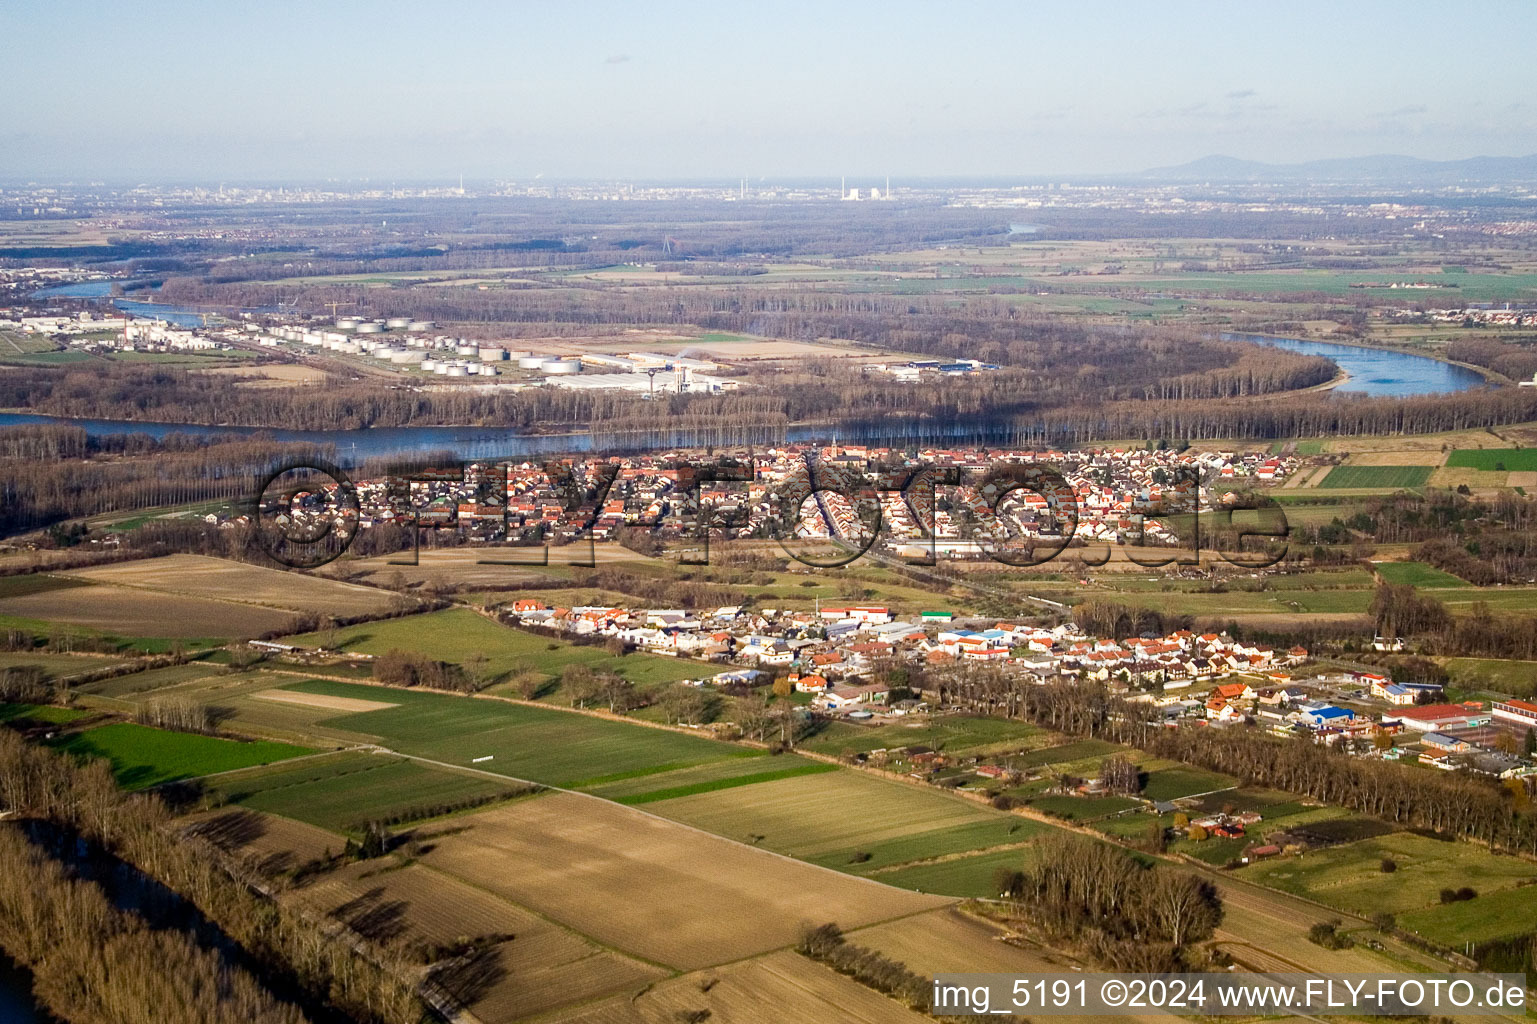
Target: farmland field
{"points": [[539, 744], [150, 680], [142, 756], [978, 835], [959, 876], [276, 844], [217, 579], [1515, 460], [817, 815], [346, 790], [542, 967], [1377, 476], [648, 887], [779, 988], [57, 665], [1418, 574], [456, 633], [35, 583], [130, 612]]}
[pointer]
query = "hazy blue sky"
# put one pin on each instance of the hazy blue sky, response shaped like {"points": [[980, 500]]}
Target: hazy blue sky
{"points": [[411, 90]]}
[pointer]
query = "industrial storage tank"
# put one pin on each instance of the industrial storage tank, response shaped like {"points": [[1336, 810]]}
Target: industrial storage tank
{"points": [[458, 371], [395, 323], [386, 352], [370, 328], [466, 349], [530, 362], [429, 364], [419, 325], [347, 323], [561, 366], [406, 356], [492, 355]]}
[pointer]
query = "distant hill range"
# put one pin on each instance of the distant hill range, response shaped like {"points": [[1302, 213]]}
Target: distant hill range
{"points": [[1407, 170]]}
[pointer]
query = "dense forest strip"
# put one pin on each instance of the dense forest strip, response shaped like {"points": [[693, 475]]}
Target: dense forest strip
{"points": [[93, 963], [83, 799], [52, 472]]}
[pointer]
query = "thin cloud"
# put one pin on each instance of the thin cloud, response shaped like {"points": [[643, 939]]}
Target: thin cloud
{"points": [[617, 58], [1241, 94], [1403, 111]]}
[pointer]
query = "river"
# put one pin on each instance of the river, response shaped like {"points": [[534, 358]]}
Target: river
{"points": [[1374, 372], [179, 316], [1380, 373]]}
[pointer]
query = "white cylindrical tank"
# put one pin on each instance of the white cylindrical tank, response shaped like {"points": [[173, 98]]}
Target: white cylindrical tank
{"points": [[419, 325], [386, 352], [405, 356], [465, 349], [350, 348], [530, 362], [370, 328], [458, 371], [554, 366], [395, 323], [429, 364], [492, 354]]}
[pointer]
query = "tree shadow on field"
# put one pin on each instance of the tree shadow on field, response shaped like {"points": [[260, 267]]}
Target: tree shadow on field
{"points": [[218, 714], [231, 830], [373, 917], [470, 977]]}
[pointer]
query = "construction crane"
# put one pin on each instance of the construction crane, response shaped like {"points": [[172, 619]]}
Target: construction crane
{"points": [[334, 306]]}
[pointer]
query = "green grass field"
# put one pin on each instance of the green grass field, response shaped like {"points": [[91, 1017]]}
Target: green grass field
{"points": [[728, 782], [342, 792], [963, 876], [456, 633], [1350, 877], [646, 781], [542, 745], [41, 714], [1419, 574], [1391, 477], [1083, 808], [1516, 460], [953, 734], [944, 842], [1502, 915], [1517, 678], [142, 756], [1174, 783], [1065, 752]]}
